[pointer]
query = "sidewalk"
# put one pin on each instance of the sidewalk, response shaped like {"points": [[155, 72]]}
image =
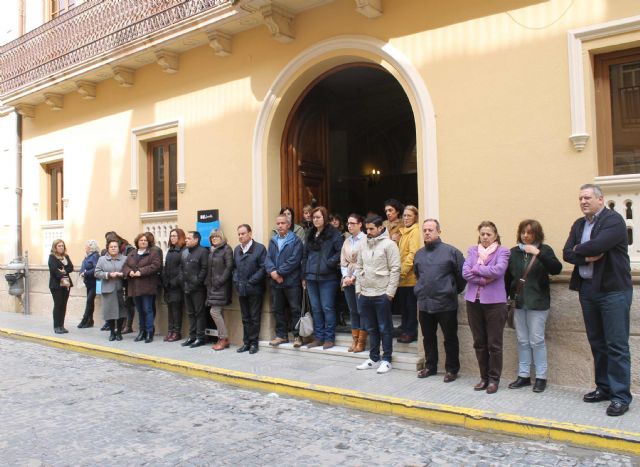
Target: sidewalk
{"points": [[557, 414]]}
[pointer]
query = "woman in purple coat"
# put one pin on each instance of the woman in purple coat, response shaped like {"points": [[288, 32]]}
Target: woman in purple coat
{"points": [[486, 297]]}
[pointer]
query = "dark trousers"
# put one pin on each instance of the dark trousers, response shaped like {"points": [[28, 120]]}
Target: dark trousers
{"points": [[487, 325], [60, 298], [196, 312], [175, 316], [448, 322], [131, 309], [606, 319], [91, 299], [251, 311], [358, 321], [408, 306], [377, 312], [280, 297], [144, 304]]}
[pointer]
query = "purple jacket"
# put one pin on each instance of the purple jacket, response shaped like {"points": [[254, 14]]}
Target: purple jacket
{"points": [[489, 278]]}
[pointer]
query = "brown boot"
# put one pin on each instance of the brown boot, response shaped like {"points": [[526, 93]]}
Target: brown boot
{"points": [[223, 343], [354, 334], [362, 341]]}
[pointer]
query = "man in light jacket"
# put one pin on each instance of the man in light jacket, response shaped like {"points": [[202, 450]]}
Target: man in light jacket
{"points": [[438, 268], [377, 277]]}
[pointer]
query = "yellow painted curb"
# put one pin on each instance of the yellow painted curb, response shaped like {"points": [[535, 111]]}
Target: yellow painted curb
{"points": [[475, 419]]}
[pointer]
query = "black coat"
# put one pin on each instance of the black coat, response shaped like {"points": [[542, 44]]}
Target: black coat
{"points": [[612, 272], [88, 268], [171, 276], [249, 273], [218, 281], [54, 271], [321, 256], [193, 268]]}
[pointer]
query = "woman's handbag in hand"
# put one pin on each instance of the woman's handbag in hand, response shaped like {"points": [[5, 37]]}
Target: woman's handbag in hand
{"points": [[305, 323], [65, 281], [511, 304]]}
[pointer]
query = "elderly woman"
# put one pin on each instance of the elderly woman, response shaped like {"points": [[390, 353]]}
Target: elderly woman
{"points": [[484, 270], [348, 260], [109, 271], [320, 260], [218, 282], [173, 293], [60, 266], [533, 299], [141, 270], [409, 244], [87, 271]]}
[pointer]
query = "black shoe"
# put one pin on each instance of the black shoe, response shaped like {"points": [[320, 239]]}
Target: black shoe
{"points": [[198, 343], [617, 408], [188, 342], [118, 336], [64, 330], [105, 327], [149, 338], [425, 373], [58, 330], [142, 335], [520, 382], [88, 324], [595, 396], [82, 323], [253, 349], [244, 348], [112, 336], [540, 385]]}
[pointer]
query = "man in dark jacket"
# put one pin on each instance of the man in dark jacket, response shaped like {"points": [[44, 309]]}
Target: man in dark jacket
{"points": [[248, 278], [438, 268], [597, 246], [282, 263], [193, 272]]}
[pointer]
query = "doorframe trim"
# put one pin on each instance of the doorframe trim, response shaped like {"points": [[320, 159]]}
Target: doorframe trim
{"points": [[426, 147]]}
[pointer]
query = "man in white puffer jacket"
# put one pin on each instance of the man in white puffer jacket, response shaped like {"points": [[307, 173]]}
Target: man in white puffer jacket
{"points": [[377, 276]]}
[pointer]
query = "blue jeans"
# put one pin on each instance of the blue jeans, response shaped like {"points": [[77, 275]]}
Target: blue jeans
{"points": [[606, 319], [358, 322], [377, 312], [530, 325], [322, 295], [144, 305]]}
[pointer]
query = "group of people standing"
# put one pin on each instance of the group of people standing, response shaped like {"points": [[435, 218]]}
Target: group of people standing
{"points": [[380, 265]]}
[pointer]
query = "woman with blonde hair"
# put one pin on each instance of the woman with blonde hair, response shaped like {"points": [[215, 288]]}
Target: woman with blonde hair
{"points": [[87, 272], [409, 244], [218, 282], [60, 266]]}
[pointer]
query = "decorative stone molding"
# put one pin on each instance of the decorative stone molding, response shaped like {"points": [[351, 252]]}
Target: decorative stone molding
{"points": [[220, 43], [369, 8], [167, 60], [123, 75], [279, 22], [54, 101], [86, 89], [65, 202], [26, 110], [133, 192], [576, 38], [182, 186]]}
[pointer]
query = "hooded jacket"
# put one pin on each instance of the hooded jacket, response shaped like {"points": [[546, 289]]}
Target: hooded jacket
{"points": [[378, 267]]}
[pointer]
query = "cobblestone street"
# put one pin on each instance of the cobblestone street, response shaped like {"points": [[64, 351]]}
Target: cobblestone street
{"points": [[63, 408]]}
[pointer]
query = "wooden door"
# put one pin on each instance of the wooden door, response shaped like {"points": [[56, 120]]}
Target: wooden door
{"points": [[305, 155]]}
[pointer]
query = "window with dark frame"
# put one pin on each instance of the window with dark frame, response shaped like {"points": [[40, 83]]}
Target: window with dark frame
{"points": [[55, 183], [617, 85], [60, 7], [162, 171]]}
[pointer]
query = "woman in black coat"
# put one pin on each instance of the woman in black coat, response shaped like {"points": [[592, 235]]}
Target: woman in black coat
{"points": [[218, 282], [173, 293], [60, 266]]}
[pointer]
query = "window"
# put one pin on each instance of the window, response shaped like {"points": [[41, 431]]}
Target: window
{"points": [[162, 174], [617, 81], [55, 190], [60, 7]]}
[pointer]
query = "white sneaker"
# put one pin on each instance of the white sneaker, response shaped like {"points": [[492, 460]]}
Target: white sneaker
{"points": [[368, 365], [385, 367]]}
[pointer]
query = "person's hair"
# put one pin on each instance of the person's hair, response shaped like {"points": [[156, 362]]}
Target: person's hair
{"points": [[113, 235], [196, 235], [246, 226], [395, 204], [113, 240], [55, 244], [150, 238], [325, 214], [137, 239], [217, 233], [359, 219], [590, 186], [413, 209], [337, 217], [284, 216], [492, 226], [307, 207], [536, 228], [181, 237], [293, 215], [435, 221], [93, 246], [375, 220]]}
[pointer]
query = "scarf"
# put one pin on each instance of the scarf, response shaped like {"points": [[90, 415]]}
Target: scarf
{"points": [[484, 253]]}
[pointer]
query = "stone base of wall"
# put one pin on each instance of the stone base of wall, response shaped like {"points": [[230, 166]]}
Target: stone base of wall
{"points": [[569, 355]]}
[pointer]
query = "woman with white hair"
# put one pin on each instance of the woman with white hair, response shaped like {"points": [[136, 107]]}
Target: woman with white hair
{"points": [[87, 272]]}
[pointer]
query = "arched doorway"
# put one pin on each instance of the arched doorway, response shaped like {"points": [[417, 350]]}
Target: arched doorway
{"points": [[349, 142]]}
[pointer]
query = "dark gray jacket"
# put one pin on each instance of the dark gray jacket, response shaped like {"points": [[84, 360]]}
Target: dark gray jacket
{"points": [[193, 268], [249, 273], [218, 281], [438, 268]]}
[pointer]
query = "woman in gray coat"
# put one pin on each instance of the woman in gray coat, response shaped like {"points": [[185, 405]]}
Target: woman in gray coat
{"points": [[218, 283], [109, 271]]}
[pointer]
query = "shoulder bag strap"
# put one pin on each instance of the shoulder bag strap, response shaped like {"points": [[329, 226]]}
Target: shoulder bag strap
{"points": [[523, 279]]}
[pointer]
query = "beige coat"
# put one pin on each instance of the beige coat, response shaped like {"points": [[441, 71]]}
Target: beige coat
{"points": [[378, 267], [349, 255]]}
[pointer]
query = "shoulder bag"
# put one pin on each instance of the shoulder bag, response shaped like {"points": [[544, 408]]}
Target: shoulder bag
{"points": [[305, 323], [511, 304]]}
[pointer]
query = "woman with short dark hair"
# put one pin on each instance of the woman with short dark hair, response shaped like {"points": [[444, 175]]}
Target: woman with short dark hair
{"points": [[348, 260], [173, 293], [60, 266]]}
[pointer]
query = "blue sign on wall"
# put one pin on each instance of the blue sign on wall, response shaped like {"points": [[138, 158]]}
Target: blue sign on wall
{"points": [[206, 222]]}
